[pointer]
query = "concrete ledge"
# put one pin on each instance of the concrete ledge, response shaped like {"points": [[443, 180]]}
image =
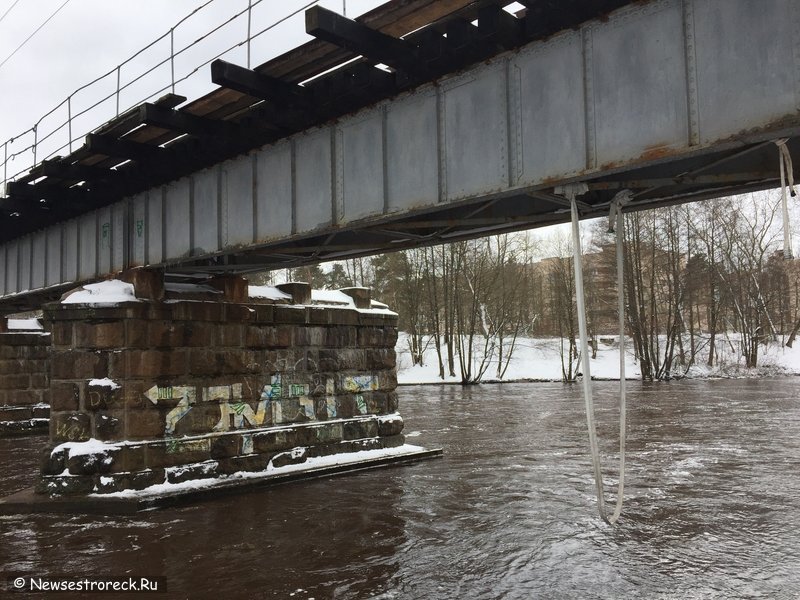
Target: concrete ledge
{"points": [[25, 427], [129, 502]]}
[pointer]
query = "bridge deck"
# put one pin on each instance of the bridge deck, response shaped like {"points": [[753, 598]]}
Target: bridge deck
{"points": [[464, 135]]}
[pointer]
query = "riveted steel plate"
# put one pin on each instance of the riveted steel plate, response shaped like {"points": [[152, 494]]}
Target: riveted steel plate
{"points": [[313, 180], [274, 191], [412, 156]]}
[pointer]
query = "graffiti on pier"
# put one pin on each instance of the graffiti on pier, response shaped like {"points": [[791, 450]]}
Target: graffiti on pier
{"points": [[286, 401], [356, 384], [359, 383], [73, 430], [330, 399], [175, 446], [281, 400]]}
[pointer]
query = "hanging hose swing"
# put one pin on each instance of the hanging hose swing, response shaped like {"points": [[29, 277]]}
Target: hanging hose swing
{"points": [[787, 181], [616, 222]]}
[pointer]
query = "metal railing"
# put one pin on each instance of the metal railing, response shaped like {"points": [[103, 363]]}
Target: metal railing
{"points": [[44, 140]]}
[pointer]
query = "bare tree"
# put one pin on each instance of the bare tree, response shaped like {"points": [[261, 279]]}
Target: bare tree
{"points": [[748, 234]]}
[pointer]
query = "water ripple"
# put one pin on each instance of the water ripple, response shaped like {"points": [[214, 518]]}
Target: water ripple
{"points": [[509, 512]]}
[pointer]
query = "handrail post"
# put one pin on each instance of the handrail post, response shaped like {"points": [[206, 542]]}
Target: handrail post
{"points": [[5, 166], [118, 76], [172, 56], [69, 121], [35, 141], [249, 21]]}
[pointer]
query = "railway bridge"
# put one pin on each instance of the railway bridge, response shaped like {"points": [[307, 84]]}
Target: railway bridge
{"points": [[420, 122]]}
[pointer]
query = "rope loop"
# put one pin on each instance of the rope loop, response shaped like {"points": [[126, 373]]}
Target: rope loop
{"points": [[787, 180], [571, 192]]}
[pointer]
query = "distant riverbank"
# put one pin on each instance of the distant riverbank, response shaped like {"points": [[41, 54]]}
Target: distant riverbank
{"points": [[539, 359]]}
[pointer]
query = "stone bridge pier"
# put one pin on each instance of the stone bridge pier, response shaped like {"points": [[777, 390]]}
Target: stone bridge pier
{"points": [[154, 384], [24, 377]]}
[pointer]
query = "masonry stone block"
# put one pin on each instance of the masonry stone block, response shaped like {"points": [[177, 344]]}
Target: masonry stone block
{"points": [[89, 464], [342, 316], [317, 316], [10, 366], [306, 436], [110, 483], [78, 365], [61, 334], [144, 423], [289, 458], [394, 441], [137, 334], [283, 336], [156, 364], [174, 452], [15, 413], [367, 444], [201, 419], [259, 337], [356, 430], [196, 311], [129, 459], [27, 397], [340, 336], [274, 441], [263, 314], [229, 335], [309, 336], [176, 334], [323, 449], [233, 287], [362, 297], [226, 446], [13, 382], [345, 406], [147, 283], [377, 403], [299, 291], [65, 486], [133, 393], [179, 474], [41, 411], [39, 380], [329, 432], [392, 402], [387, 380], [99, 335], [109, 425], [52, 462], [146, 478], [70, 427], [290, 315], [248, 463], [101, 397], [390, 426]]}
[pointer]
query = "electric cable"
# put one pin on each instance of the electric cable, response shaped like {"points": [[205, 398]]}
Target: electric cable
{"points": [[38, 29], [10, 8]]}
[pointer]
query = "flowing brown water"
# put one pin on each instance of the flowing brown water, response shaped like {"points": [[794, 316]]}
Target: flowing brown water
{"points": [[712, 507]]}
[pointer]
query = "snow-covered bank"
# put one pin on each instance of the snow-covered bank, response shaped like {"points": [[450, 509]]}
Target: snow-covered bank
{"points": [[539, 359]]}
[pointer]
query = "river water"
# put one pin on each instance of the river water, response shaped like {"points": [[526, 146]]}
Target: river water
{"points": [[712, 507]]}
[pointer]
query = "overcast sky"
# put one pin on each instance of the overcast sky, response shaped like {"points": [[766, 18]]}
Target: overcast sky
{"points": [[88, 38]]}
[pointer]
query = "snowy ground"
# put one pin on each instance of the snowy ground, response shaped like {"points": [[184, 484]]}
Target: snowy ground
{"points": [[539, 359]]}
